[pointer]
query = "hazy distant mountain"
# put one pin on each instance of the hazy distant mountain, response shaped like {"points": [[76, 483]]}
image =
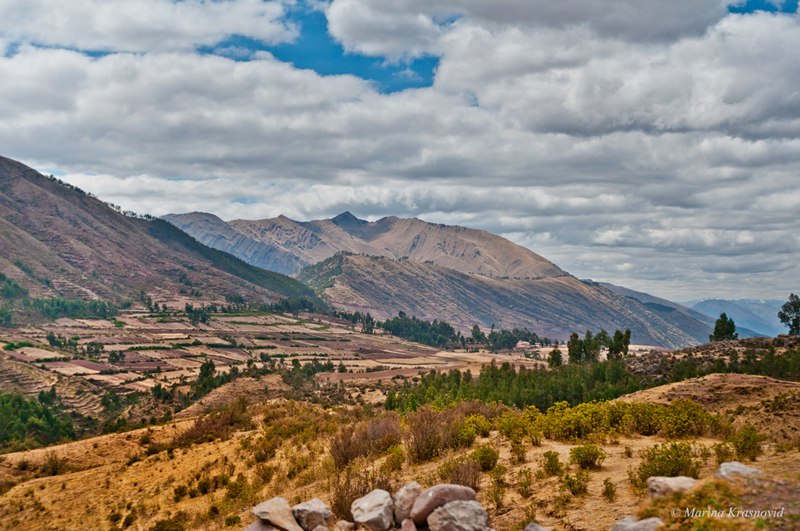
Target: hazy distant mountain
{"points": [[60, 242], [464, 276], [760, 316], [287, 246]]}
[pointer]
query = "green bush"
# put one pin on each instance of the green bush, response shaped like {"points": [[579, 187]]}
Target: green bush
{"points": [[479, 423], [747, 443], [609, 490], [551, 465], [587, 456], [395, 457], [577, 484], [486, 457], [668, 459], [724, 453]]}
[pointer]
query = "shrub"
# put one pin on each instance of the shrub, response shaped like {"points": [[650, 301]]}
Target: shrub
{"points": [[513, 425], [684, 418], [395, 458], [350, 485], [233, 520], [747, 443], [668, 459], [518, 452], [424, 441], [461, 471], [577, 484], [551, 465], [609, 490], [486, 457], [180, 492], [587, 456], [53, 465], [524, 482], [479, 423], [723, 452], [628, 452]]}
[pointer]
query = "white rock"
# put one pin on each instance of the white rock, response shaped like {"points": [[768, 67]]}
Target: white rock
{"points": [[374, 511], [629, 523], [404, 500], [658, 486], [734, 468], [312, 514], [459, 516]]}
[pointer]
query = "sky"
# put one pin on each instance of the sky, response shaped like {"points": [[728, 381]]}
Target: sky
{"points": [[651, 144]]}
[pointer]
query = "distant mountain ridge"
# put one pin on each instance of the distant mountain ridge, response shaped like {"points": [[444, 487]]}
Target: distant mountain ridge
{"points": [[287, 246], [464, 276], [60, 242], [760, 316]]}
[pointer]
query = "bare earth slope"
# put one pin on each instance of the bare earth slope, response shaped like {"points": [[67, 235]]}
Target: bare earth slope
{"points": [[552, 306], [60, 242]]}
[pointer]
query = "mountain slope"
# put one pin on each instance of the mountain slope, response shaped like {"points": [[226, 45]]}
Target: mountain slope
{"points": [[286, 245], [759, 316], [60, 242], [553, 306], [465, 276]]}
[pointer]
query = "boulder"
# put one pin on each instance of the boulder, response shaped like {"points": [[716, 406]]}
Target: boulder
{"points": [[408, 525], [629, 523], [312, 514], [431, 499], [374, 511], [533, 526], [259, 525], [276, 511], [732, 469], [344, 525], [404, 500], [459, 516], [320, 528], [658, 486]]}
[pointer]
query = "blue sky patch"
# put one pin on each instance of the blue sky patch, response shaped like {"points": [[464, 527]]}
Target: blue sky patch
{"points": [[317, 50], [749, 6]]}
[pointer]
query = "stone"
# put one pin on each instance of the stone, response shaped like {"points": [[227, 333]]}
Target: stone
{"points": [[320, 528], [434, 497], [260, 525], [404, 500], [658, 486], [276, 511], [408, 525], [459, 516], [533, 526], [312, 514], [629, 523], [734, 468], [374, 511], [344, 525]]}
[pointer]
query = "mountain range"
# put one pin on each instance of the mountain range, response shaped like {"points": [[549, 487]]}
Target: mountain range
{"points": [[461, 275], [59, 242], [760, 316]]}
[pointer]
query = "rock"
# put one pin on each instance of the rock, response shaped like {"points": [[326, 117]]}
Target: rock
{"points": [[459, 516], [320, 528], [312, 514], [430, 499], [276, 511], [344, 525], [408, 525], [734, 468], [404, 500], [259, 525], [629, 523], [658, 486], [374, 511], [533, 526]]}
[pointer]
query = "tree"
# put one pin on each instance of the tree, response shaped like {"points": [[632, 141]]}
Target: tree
{"points": [[555, 359], [724, 329], [790, 314]]}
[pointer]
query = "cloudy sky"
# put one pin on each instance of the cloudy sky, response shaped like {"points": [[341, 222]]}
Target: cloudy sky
{"points": [[650, 143]]}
